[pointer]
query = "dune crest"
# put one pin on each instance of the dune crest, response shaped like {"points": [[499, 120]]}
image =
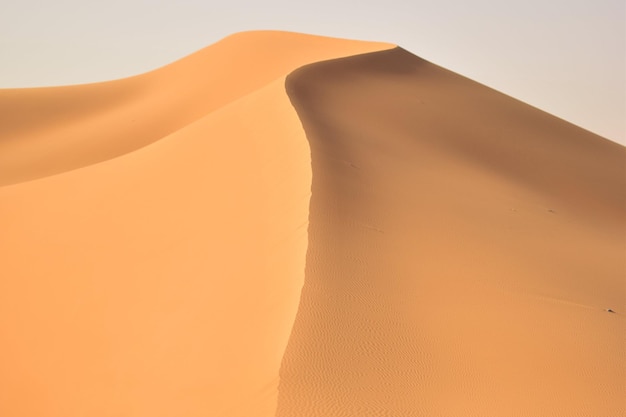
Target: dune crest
{"points": [[51, 130]]}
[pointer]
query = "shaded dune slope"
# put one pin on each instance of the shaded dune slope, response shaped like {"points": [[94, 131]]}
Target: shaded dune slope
{"points": [[463, 248]]}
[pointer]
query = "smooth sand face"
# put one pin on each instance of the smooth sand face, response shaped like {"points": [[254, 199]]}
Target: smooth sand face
{"points": [[139, 285], [456, 256]]}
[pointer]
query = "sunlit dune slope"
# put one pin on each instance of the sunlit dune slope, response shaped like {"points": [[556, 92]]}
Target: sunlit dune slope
{"points": [[162, 282], [463, 250], [43, 131]]}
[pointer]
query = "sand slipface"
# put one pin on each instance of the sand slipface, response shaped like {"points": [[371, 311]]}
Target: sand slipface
{"points": [[367, 235], [463, 248]]}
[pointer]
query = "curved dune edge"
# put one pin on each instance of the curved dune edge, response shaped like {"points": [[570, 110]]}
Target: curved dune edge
{"points": [[463, 251], [162, 281], [43, 130]]}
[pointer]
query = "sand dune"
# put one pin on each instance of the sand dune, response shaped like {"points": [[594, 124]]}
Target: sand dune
{"points": [[289, 225]]}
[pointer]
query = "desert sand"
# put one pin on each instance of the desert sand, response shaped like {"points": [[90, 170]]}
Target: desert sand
{"points": [[294, 226]]}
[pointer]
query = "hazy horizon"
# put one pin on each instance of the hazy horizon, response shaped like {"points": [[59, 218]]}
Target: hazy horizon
{"points": [[567, 58]]}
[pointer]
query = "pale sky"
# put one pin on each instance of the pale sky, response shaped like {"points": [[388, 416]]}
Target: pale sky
{"points": [[567, 57]]}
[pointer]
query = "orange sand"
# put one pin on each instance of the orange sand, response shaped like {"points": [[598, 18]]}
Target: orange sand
{"points": [[462, 247]]}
